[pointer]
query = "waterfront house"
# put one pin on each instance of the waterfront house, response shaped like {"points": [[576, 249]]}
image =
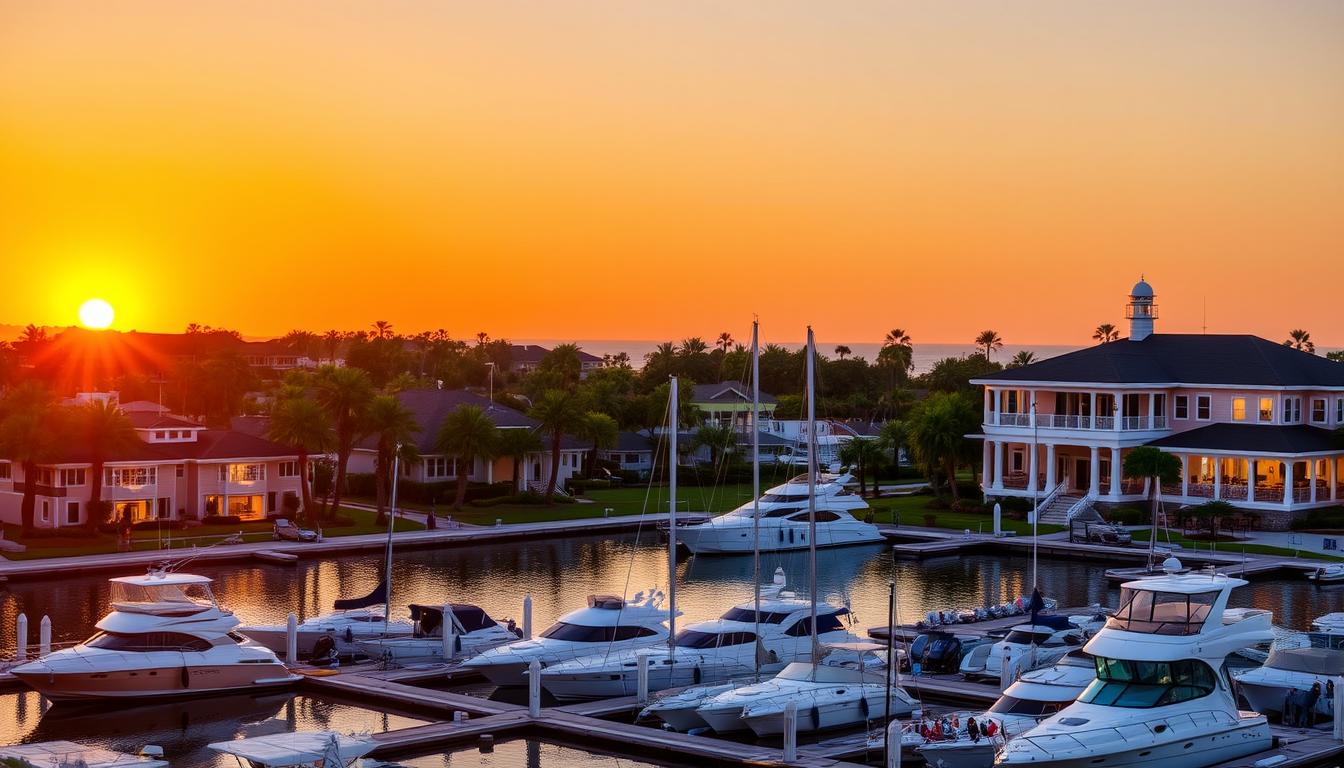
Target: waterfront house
{"points": [[1251, 420], [525, 358], [728, 404]]}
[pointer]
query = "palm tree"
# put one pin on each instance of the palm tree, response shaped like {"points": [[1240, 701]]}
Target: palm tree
{"points": [[1022, 359], [301, 424], [559, 412], [1106, 332], [1300, 340], [862, 454], [990, 340], [394, 426], [516, 444], [718, 438], [724, 342], [1159, 467], [103, 430], [382, 329], [602, 430], [564, 360], [897, 353], [29, 436], [693, 346], [841, 351], [345, 394], [894, 435], [897, 337], [938, 429], [482, 338], [466, 434]]}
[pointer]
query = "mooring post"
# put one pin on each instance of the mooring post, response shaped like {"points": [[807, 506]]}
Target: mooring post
{"points": [[643, 671], [1005, 670], [527, 616], [1339, 708], [449, 634], [894, 744], [292, 638], [791, 732], [21, 642], [44, 637], [534, 688]]}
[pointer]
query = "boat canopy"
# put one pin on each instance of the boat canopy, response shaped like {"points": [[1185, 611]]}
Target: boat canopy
{"points": [[70, 753], [1316, 661], [377, 597], [285, 749], [471, 617]]}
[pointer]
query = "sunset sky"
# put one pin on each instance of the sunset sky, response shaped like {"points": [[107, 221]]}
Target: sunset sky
{"points": [[635, 169]]}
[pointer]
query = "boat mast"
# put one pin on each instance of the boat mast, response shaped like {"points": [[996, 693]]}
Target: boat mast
{"points": [[756, 481], [812, 485], [672, 521], [391, 519]]}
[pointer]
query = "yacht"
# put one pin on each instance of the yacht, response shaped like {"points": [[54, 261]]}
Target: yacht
{"points": [[473, 631], [345, 628], [607, 624], [166, 636], [69, 753], [848, 687], [1032, 645], [708, 651], [1033, 697], [1163, 695], [1295, 664], [312, 749], [779, 520]]}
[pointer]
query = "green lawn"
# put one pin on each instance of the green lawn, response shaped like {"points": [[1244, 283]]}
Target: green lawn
{"points": [[1231, 547], [910, 510]]}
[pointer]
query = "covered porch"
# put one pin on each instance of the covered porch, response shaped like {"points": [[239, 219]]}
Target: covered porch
{"points": [[1014, 468]]}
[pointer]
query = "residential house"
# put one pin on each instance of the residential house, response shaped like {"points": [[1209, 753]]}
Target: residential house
{"points": [[728, 404], [1251, 420], [525, 358]]}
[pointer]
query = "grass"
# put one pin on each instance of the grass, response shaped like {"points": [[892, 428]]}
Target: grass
{"points": [[910, 510], [1231, 547], [147, 540]]}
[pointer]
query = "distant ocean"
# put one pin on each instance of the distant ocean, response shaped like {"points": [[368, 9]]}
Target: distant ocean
{"points": [[924, 358]]}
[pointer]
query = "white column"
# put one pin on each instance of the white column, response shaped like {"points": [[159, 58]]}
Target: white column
{"points": [[1334, 478], [1311, 478], [989, 405], [1093, 417], [1185, 475], [1288, 483], [1250, 479], [1151, 409], [1050, 479], [998, 465], [1217, 477], [1094, 470], [1031, 404], [1115, 472], [1117, 410], [985, 467]]}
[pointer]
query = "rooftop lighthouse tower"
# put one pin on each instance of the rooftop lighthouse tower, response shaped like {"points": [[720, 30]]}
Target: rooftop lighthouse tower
{"points": [[1140, 311]]}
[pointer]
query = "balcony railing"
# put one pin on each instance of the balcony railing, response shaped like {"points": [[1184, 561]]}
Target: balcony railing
{"points": [[1070, 421]]}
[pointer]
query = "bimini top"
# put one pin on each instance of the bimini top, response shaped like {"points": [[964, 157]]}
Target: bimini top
{"points": [[162, 579], [1316, 661], [1187, 583], [284, 749], [51, 754]]}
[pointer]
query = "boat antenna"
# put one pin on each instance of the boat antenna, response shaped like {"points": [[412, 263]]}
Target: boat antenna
{"points": [[756, 481], [672, 520], [812, 487], [391, 520]]}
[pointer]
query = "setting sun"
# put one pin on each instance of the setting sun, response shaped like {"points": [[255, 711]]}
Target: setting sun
{"points": [[96, 313]]}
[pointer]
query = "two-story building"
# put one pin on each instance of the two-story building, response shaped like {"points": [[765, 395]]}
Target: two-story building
{"points": [[1251, 420], [728, 404]]}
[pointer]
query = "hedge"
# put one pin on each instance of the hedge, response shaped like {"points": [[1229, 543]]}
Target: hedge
{"points": [[1329, 518], [362, 484]]}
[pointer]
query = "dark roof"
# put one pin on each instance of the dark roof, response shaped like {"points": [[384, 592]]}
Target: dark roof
{"points": [[1254, 438], [1180, 358], [531, 354], [257, 426], [432, 406], [727, 392], [147, 420], [632, 442], [209, 445], [142, 406]]}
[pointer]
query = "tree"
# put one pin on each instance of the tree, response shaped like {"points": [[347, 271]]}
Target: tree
{"points": [[332, 341], [841, 351], [990, 340], [937, 435], [718, 438], [345, 394], [394, 426], [103, 430], [894, 436], [382, 329], [1300, 340], [1337, 356], [564, 364], [467, 434], [559, 412], [1106, 332], [29, 436], [1022, 359], [1159, 467], [862, 454], [1209, 513], [693, 346], [602, 431], [724, 342], [516, 443], [301, 424], [897, 353]]}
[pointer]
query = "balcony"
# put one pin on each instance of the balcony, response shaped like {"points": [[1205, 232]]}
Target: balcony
{"points": [[1071, 421]]}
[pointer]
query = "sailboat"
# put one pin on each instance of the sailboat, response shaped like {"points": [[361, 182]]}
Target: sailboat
{"points": [[830, 691]]}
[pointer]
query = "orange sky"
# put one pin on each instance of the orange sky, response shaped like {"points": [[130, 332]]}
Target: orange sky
{"points": [[628, 169]]}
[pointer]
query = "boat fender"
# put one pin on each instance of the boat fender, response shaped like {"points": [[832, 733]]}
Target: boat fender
{"points": [[349, 634], [695, 674], [816, 717], [457, 644], [186, 677], [781, 536], [790, 535], [863, 707]]}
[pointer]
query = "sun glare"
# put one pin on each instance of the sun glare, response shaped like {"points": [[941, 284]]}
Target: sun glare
{"points": [[96, 313]]}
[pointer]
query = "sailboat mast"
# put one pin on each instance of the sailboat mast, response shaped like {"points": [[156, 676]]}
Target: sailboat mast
{"points": [[756, 481], [391, 520], [812, 484], [672, 520]]}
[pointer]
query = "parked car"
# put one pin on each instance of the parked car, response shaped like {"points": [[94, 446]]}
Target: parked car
{"points": [[287, 531], [1100, 533]]}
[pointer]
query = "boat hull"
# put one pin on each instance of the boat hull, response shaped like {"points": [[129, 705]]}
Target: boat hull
{"points": [[347, 643], [192, 680], [1193, 751], [828, 715], [960, 754], [1268, 696], [709, 539]]}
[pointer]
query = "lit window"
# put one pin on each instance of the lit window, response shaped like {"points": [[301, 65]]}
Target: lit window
{"points": [[1266, 409], [1238, 409], [1182, 407], [1203, 408]]}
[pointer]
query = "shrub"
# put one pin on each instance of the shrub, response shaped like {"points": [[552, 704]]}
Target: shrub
{"points": [[1128, 516], [526, 497], [1326, 519], [937, 503], [363, 484], [222, 520], [967, 505]]}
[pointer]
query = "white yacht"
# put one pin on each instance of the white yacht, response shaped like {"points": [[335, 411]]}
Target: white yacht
{"points": [[1163, 695], [1033, 697], [69, 753], [1032, 646], [847, 688], [1295, 664], [783, 520], [473, 631], [166, 636], [345, 628], [608, 623], [708, 651], [311, 749]]}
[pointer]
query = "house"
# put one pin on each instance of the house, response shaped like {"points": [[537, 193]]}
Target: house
{"points": [[632, 452], [179, 471], [728, 404], [1249, 419], [525, 358], [432, 406]]}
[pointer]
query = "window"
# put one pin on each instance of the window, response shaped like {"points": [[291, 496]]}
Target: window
{"points": [[160, 435], [1266, 409], [163, 510], [1143, 684], [827, 623], [823, 516], [181, 470], [288, 469], [1238, 409], [580, 633], [632, 458], [1161, 613], [1339, 419], [242, 473], [46, 511], [6, 472], [72, 513], [148, 641], [1292, 410], [1008, 705], [46, 476], [72, 477], [173, 434], [439, 466], [131, 477], [1017, 461], [1182, 406], [1203, 407], [748, 616], [1318, 410], [270, 503]]}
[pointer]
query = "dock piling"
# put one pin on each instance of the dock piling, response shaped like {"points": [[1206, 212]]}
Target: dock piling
{"points": [[21, 642], [44, 637], [791, 732], [449, 633], [894, 744], [1005, 669], [527, 616], [1339, 708], [643, 678], [534, 688], [292, 638]]}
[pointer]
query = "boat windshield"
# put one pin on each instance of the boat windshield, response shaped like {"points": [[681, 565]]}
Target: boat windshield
{"points": [[581, 633], [144, 642], [1010, 705], [690, 638], [1024, 637], [1162, 613], [185, 596], [1144, 684], [748, 616]]}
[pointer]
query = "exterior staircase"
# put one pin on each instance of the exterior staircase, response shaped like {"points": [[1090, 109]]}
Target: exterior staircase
{"points": [[1057, 511]]}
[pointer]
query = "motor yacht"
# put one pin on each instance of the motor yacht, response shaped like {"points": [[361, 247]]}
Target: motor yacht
{"points": [[69, 753], [1328, 574], [778, 521], [607, 624], [166, 636], [1032, 645], [312, 749], [708, 651], [1163, 695], [1295, 664], [847, 687], [473, 632], [345, 628]]}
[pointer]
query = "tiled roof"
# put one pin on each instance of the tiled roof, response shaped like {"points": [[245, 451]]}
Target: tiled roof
{"points": [[1254, 438], [727, 392], [1177, 358]]}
